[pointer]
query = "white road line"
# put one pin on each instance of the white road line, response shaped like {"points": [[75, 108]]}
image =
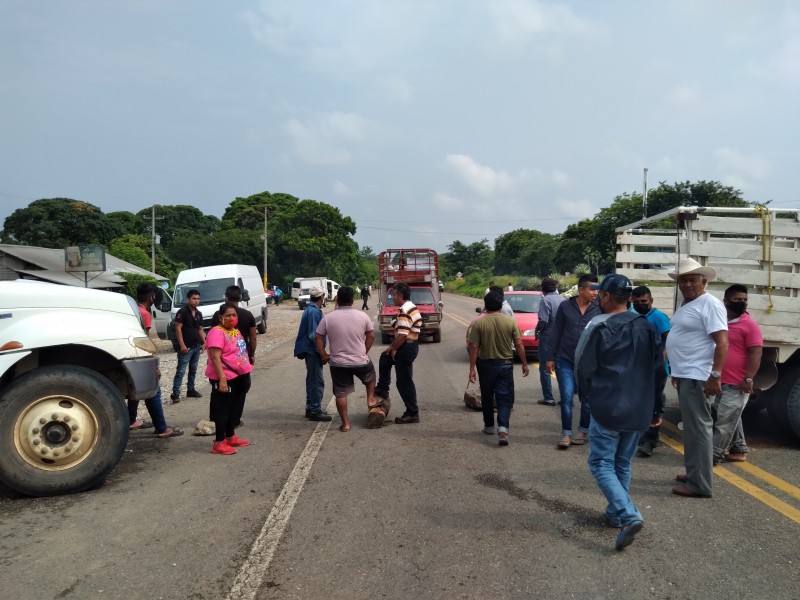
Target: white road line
{"points": [[251, 574]]}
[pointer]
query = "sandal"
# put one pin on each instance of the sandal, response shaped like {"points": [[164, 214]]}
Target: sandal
{"points": [[170, 432], [565, 443], [144, 425], [344, 429], [579, 440]]}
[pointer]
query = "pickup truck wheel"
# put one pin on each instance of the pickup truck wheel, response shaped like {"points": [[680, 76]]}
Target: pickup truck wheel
{"points": [[779, 399], [386, 339], [436, 337], [793, 406], [62, 430]]}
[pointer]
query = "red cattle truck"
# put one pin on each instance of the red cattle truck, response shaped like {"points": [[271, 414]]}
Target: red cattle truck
{"points": [[419, 269]]}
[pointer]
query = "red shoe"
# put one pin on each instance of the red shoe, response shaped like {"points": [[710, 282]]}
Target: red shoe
{"points": [[236, 442], [222, 448]]}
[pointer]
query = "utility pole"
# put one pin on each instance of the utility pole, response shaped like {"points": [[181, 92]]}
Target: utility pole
{"points": [[644, 196], [153, 240], [265, 247]]}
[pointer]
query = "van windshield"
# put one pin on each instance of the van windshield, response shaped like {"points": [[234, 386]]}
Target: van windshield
{"points": [[212, 291]]}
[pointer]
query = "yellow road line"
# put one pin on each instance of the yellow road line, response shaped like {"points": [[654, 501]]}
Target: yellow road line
{"points": [[459, 319], [765, 497], [765, 476]]}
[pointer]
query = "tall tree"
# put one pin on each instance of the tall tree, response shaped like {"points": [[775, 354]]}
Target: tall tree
{"points": [[476, 257], [524, 251], [171, 220], [59, 222]]}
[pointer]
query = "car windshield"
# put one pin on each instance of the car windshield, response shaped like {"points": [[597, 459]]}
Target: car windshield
{"points": [[524, 303], [212, 291], [418, 296]]}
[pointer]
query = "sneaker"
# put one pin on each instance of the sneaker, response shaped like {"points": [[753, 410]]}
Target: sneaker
{"points": [[222, 448], [193, 394], [502, 438], [645, 449], [236, 441], [175, 398], [625, 537], [488, 430], [407, 418], [320, 416], [546, 402], [736, 457], [310, 413]]}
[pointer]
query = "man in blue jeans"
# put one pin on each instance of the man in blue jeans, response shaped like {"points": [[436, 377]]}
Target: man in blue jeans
{"points": [[571, 319], [306, 349], [492, 361], [620, 374], [191, 340], [547, 315]]}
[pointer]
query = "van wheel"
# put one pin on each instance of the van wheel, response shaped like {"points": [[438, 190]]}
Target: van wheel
{"points": [[62, 430], [262, 326]]}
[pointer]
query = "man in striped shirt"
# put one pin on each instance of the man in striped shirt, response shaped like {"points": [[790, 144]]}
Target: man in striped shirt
{"points": [[401, 353]]}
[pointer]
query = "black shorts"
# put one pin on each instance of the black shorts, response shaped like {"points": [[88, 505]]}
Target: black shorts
{"points": [[343, 378]]}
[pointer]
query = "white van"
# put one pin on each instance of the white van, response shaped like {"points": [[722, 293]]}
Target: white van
{"points": [[304, 284], [212, 282]]}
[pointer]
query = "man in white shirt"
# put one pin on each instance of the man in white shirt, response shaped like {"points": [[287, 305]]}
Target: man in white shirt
{"points": [[697, 346]]}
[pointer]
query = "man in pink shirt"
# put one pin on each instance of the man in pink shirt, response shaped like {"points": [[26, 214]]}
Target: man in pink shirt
{"points": [[350, 335], [744, 357]]}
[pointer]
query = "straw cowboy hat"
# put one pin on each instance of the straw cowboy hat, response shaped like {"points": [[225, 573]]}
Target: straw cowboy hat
{"points": [[688, 266]]}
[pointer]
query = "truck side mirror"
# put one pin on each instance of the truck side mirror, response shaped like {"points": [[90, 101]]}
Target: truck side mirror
{"points": [[478, 309], [245, 296], [165, 306]]}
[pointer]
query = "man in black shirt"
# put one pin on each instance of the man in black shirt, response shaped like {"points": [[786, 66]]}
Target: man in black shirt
{"points": [[191, 341]]}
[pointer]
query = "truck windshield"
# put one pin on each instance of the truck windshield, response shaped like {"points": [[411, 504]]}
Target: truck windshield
{"points": [[212, 291], [523, 303], [418, 296]]}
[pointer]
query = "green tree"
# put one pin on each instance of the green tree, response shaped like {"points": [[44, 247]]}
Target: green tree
{"points": [[476, 257], [58, 223], [136, 250], [248, 213], [128, 223], [172, 220]]}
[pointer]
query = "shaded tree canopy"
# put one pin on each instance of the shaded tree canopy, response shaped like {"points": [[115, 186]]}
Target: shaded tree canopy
{"points": [[524, 251], [477, 257], [58, 223], [171, 220]]}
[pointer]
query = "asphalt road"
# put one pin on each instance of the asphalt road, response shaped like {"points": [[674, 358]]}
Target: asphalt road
{"points": [[434, 510]]}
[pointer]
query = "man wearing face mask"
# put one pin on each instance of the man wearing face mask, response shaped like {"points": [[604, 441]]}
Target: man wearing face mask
{"points": [[744, 356], [642, 303]]}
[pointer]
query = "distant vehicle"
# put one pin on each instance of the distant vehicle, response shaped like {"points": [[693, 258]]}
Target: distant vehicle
{"points": [[419, 269], [64, 419], [302, 286], [212, 282], [526, 313]]}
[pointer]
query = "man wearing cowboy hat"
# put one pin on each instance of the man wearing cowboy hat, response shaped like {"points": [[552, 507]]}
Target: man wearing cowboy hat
{"points": [[697, 346]]}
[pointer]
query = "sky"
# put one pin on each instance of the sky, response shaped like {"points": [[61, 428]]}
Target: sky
{"points": [[425, 121]]}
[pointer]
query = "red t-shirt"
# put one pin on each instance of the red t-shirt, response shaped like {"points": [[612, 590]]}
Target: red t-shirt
{"points": [[743, 333], [147, 318]]}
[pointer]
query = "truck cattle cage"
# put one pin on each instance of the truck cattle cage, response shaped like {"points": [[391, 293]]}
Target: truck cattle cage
{"points": [[758, 247]]}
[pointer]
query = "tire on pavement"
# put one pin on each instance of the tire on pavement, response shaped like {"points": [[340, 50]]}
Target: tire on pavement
{"points": [[63, 429]]}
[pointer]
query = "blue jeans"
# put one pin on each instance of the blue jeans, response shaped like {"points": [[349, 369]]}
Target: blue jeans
{"points": [[496, 378], [191, 358], [544, 375], [154, 407], [315, 382], [610, 456], [404, 371], [565, 375]]}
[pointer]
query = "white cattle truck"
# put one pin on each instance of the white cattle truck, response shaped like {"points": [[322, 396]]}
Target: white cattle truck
{"points": [[69, 358], [758, 247]]}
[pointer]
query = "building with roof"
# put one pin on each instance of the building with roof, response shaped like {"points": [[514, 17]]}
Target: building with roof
{"points": [[49, 264]]}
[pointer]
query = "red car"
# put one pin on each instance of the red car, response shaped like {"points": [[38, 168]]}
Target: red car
{"points": [[526, 312]]}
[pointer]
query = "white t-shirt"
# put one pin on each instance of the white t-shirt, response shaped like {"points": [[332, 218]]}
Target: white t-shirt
{"points": [[690, 347]]}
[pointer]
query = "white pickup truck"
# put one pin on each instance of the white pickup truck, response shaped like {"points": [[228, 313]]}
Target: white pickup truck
{"points": [[756, 247], [69, 358]]}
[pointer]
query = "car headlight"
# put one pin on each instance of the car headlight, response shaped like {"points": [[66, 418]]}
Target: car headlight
{"points": [[529, 332], [144, 343]]}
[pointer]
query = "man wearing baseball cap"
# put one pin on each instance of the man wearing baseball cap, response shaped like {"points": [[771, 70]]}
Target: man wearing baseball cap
{"points": [[619, 369], [697, 346], [306, 349]]}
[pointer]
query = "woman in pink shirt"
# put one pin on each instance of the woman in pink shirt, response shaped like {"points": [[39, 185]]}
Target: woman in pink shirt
{"points": [[229, 372]]}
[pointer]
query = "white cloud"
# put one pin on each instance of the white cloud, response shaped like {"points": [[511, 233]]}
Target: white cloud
{"points": [[682, 97], [516, 21], [341, 189], [323, 140], [741, 170], [447, 203], [578, 209], [480, 179]]}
